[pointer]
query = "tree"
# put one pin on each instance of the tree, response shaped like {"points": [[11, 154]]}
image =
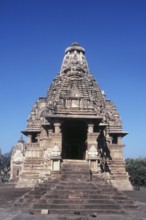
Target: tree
{"points": [[5, 163], [2, 162], [137, 169]]}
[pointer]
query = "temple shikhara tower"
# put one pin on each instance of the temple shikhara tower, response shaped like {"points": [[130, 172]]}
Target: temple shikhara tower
{"points": [[74, 123]]}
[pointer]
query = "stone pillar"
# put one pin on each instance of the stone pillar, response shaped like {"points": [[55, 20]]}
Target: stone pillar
{"points": [[55, 159], [92, 136], [57, 127], [55, 137], [92, 154], [29, 138], [50, 131], [120, 140], [90, 128]]}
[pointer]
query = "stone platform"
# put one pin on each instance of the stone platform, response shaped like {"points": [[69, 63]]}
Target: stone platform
{"points": [[7, 212], [75, 191]]}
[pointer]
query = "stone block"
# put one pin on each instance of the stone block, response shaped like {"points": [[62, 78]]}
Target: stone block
{"points": [[44, 211]]}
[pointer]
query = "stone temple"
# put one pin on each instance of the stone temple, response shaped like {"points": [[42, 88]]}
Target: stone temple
{"points": [[74, 123]]}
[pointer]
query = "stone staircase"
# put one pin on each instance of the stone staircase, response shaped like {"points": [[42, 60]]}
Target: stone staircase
{"points": [[33, 166], [75, 192]]}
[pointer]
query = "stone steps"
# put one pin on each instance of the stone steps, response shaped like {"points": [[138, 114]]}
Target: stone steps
{"points": [[79, 211], [76, 206], [85, 196], [27, 199], [77, 201], [76, 187], [73, 191], [76, 192]]}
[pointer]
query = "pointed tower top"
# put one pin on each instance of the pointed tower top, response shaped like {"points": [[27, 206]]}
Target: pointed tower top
{"points": [[75, 47], [74, 59]]}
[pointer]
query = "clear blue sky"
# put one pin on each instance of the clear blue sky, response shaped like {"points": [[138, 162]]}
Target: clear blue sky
{"points": [[33, 37]]}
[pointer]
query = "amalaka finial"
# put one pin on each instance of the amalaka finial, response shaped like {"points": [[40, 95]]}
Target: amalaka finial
{"points": [[75, 46]]}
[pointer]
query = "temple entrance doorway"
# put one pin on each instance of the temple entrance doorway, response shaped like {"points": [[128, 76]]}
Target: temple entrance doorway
{"points": [[74, 136]]}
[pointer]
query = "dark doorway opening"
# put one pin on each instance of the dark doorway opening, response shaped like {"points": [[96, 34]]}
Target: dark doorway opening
{"points": [[74, 136]]}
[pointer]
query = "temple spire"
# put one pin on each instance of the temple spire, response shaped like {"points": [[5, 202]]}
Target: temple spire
{"points": [[74, 59]]}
